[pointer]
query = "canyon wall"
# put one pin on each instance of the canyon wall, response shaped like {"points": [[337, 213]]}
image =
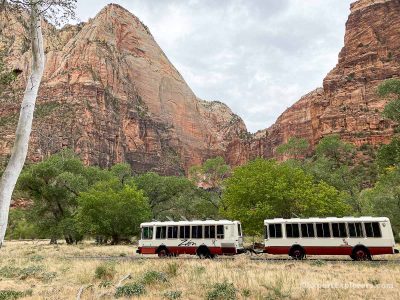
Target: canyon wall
{"points": [[347, 104], [111, 94]]}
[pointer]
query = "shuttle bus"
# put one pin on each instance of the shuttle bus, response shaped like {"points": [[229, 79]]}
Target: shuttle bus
{"points": [[203, 238], [360, 238]]}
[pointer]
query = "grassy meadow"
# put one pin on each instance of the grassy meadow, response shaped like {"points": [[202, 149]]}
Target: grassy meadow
{"points": [[37, 270]]}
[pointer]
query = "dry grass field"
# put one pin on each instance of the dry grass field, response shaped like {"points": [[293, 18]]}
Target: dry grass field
{"points": [[37, 270]]}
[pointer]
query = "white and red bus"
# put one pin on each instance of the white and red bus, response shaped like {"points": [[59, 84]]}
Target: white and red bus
{"points": [[203, 238], [360, 238]]}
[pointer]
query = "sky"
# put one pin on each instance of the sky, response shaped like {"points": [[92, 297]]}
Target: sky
{"points": [[257, 56]]}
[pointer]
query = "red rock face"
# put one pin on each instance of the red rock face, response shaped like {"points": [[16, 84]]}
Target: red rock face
{"points": [[347, 104], [110, 93]]}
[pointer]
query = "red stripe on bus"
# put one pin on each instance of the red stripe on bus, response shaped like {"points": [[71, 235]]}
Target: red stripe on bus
{"points": [[189, 250], [326, 250]]}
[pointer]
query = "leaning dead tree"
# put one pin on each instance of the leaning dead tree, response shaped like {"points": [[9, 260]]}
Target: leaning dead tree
{"points": [[55, 11]]}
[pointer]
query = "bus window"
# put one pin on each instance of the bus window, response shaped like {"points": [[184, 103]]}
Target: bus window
{"points": [[339, 230], [275, 230], [239, 229], [147, 233], [161, 232], [184, 232], [197, 232], [209, 231], [220, 231], [266, 232], [172, 232], [355, 230], [292, 230], [323, 230], [372, 229], [307, 230]]}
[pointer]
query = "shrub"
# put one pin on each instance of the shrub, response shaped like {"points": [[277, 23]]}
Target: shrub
{"points": [[318, 263], [246, 293], [151, 277], [276, 291], [37, 258], [198, 270], [105, 284], [105, 271], [129, 290], [374, 282], [30, 271], [172, 295], [11, 294], [172, 269], [222, 291]]}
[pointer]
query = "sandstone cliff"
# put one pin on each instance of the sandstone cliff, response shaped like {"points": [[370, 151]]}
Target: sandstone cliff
{"points": [[110, 93], [347, 104]]}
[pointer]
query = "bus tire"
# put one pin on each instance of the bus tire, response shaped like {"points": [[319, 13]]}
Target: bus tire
{"points": [[204, 253], [297, 252], [162, 252], [360, 253]]}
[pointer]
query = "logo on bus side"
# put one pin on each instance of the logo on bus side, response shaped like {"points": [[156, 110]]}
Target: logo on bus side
{"points": [[187, 243]]}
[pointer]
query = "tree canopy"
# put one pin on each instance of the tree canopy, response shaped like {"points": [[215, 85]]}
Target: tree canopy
{"points": [[112, 209], [266, 189], [54, 185], [171, 196]]}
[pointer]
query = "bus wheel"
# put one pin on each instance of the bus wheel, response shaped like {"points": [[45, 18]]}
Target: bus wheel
{"points": [[360, 254], [297, 253], [162, 252], [204, 253]]}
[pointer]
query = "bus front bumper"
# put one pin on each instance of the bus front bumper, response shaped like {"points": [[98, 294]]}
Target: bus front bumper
{"points": [[139, 251]]}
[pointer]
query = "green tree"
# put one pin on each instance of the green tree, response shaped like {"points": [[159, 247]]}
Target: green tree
{"points": [[171, 196], [383, 200], [391, 89], [335, 163], [295, 148], [265, 189], [211, 174], [54, 185], [19, 227], [389, 155], [113, 210]]}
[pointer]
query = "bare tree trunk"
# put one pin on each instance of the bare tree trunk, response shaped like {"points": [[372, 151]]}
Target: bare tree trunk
{"points": [[20, 149]]}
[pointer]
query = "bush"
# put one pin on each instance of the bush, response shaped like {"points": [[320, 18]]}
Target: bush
{"points": [[105, 284], [246, 293], [172, 295], [318, 263], [105, 272], [151, 277], [198, 270], [129, 290], [11, 294], [172, 269], [22, 273], [222, 291]]}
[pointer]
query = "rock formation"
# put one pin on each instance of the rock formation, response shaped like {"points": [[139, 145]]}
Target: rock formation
{"points": [[347, 104], [110, 93]]}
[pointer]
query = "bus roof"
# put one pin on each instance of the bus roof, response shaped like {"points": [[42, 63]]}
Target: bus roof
{"points": [[193, 222], [329, 219]]}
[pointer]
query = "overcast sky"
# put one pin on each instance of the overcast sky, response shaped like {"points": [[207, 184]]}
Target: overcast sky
{"points": [[257, 56]]}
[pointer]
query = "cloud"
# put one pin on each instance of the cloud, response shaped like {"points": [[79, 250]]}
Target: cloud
{"points": [[257, 56]]}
